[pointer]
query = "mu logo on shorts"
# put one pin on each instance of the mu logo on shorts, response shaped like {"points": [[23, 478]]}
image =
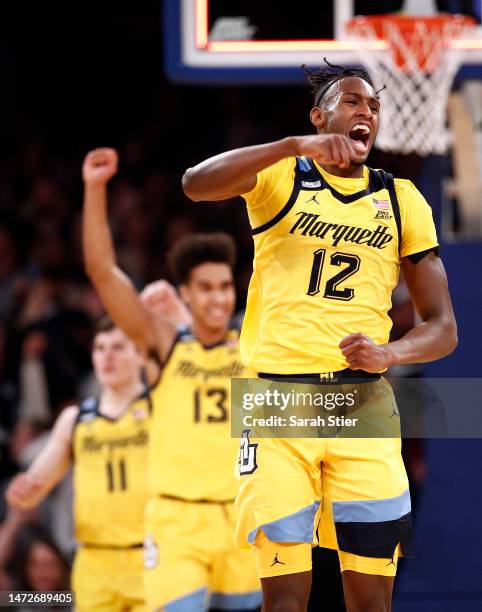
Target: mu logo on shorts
{"points": [[151, 553], [247, 455]]}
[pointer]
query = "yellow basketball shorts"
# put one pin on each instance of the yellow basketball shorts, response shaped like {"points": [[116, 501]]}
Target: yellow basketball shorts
{"points": [[108, 580], [349, 494], [190, 559]]}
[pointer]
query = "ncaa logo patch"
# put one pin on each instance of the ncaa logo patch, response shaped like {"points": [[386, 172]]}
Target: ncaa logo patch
{"points": [[151, 553]]}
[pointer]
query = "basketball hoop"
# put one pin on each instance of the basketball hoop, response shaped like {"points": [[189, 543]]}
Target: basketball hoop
{"points": [[418, 68]]}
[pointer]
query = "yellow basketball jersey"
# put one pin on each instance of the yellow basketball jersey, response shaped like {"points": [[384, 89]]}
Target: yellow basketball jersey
{"points": [[327, 256], [192, 454], [110, 476]]}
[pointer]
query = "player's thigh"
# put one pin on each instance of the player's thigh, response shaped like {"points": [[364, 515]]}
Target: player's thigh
{"points": [[178, 576], [176, 570], [367, 592], [280, 489], [285, 571], [366, 500], [234, 582], [365, 489], [365, 469], [130, 579], [92, 580], [369, 566], [280, 558]]}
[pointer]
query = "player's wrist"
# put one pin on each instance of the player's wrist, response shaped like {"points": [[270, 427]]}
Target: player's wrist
{"points": [[291, 146], [95, 185], [390, 355]]}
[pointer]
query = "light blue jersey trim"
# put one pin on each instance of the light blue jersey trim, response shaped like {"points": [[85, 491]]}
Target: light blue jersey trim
{"points": [[372, 511], [297, 527], [197, 601], [236, 601], [304, 165]]}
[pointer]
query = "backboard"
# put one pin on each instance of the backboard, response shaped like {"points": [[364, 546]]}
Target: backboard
{"points": [[242, 42]]}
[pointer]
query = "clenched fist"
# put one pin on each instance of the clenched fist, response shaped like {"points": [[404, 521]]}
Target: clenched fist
{"points": [[363, 354], [161, 297], [331, 149], [99, 166]]}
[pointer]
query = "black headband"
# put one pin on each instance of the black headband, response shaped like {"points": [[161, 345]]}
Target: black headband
{"points": [[328, 85], [338, 78]]}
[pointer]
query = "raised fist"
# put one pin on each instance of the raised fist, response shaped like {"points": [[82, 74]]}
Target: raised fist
{"points": [[162, 298], [332, 149], [99, 166]]}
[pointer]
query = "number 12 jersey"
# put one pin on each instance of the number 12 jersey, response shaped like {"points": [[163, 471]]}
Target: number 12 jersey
{"points": [[327, 257]]}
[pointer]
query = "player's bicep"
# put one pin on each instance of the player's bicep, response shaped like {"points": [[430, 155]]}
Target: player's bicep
{"points": [[271, 192], [239, 189], [418, 228], [427, 282]]}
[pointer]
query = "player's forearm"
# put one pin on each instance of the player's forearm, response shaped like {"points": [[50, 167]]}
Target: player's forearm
{"points": [[98, 249], [230, 174], [28, 501], [116, 291], [8, 535], [428, 341], [34, 489], [29, 488], [46, 471]]}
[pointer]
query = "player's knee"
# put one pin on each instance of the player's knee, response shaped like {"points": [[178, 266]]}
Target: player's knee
{"points": [[284, 603], [372, 606], [288, 593], [368, 602]]}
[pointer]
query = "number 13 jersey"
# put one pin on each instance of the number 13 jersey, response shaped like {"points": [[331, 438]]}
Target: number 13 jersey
{"points": [[327, 255], [192, 454]]}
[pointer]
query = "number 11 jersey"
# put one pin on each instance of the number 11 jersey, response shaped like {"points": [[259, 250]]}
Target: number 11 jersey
{"points": [[110, 477]]}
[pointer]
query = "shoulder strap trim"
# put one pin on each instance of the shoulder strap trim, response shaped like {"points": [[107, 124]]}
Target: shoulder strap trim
{"points": [[299, 168], [389, 183], [88, 406], [146, 394], [304, 164], [182, 333], [375, 183]]}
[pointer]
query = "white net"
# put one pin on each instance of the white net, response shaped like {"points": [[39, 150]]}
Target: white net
{"points": [[418, 69]]}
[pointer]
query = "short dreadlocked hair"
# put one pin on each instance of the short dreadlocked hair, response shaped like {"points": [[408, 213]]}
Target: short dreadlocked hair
{"points": [[322, 80], [196, 249]]}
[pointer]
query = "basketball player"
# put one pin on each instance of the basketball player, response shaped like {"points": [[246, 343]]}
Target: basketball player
{"points": [[105, 439], [330, 235], [190, 559]]}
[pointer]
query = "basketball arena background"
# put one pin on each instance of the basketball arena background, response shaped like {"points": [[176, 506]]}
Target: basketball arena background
{"points": [[83, 75]]}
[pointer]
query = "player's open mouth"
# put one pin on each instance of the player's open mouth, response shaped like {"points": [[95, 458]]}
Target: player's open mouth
{"points": [[218, 313], [360, 135]]}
